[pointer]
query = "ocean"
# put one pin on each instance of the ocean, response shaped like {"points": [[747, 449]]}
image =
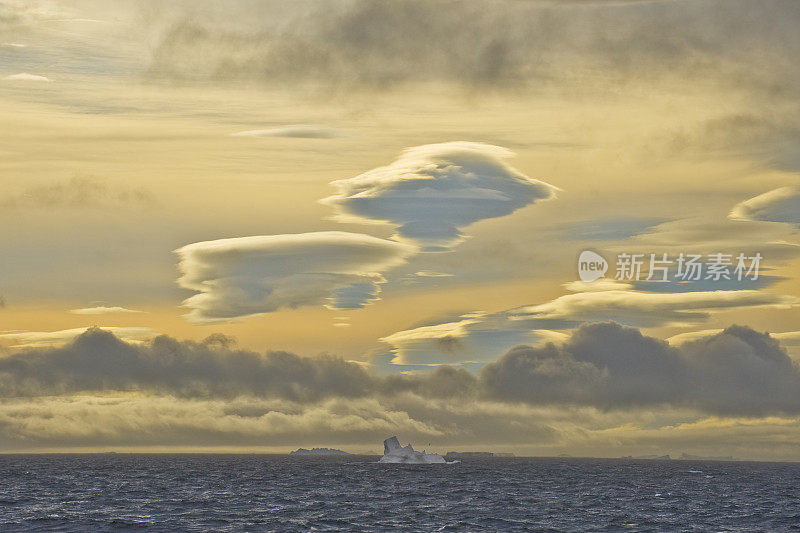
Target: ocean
{"points": [[184, 492]]}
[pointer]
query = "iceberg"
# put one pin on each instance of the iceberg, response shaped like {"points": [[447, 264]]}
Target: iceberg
{"points": [[394, 453]]}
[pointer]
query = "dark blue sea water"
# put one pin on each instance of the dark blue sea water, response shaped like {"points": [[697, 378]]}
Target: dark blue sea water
{"points": [[280, 493]]}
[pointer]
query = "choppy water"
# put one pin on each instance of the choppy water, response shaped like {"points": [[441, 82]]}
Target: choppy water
{"points": [[256, 492]]}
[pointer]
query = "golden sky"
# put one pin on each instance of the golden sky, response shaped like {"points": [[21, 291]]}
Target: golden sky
{"points": [[342, 196]]}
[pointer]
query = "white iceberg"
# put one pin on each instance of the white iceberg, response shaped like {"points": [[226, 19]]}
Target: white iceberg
{"points": [[394, 453]]}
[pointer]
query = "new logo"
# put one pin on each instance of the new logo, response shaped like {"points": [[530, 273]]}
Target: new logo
{"points": [[591, 266]]}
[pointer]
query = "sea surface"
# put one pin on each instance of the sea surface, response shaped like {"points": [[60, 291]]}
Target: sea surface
{"points": [[113, 492]]}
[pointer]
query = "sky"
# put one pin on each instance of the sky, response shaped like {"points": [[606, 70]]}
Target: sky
{"points": [[258, 225]]}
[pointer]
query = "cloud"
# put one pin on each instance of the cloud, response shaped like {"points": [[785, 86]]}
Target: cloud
{"points": [[432, 274], [604, 390], [38, 339], [482, 337], [98, 360], [79, 192], [301, 131], [432, 191], [736, 372], [24, 76], [643, 309], [788, 338], [607, 230], [706, 235], [779, 205], [102, 310], [246, 276], [20, 13], [602, 284], [691, 336], [764, 134], [386, 44]]}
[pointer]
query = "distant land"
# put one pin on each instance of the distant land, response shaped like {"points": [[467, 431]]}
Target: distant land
{"points": [[318, 451], [688, 457], [684, 457], [475, 455]]}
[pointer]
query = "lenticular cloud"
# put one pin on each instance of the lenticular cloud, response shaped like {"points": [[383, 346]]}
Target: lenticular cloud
{"points": [[430, 192], [779, 205], [247, 276]]}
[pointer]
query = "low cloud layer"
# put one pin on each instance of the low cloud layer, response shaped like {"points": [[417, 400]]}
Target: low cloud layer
{"points": [[430, 192], [737, 372], [97, 361], [779, 205], [246, 276]]}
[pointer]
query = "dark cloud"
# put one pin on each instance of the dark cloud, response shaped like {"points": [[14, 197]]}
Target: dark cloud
{"points": [[386, 43], [97, 361], [738, 372]]}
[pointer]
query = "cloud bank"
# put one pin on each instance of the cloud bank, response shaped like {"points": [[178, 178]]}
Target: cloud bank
{"points": [[385, 44], [605, 389], [246, 276], [430, 192], [737, 372]]}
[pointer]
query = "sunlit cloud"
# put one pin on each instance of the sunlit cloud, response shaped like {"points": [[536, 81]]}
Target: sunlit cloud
{"points": [[24, 76], [430, 192], [246, 276], [779, 205], [643, 309], [432, 274], [40, 339], [481, 337], [102, 310], [301, 131]]}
